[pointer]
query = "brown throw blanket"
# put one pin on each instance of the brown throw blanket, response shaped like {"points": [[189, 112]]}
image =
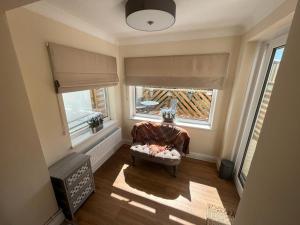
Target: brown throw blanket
{"points": [[162, 136]]}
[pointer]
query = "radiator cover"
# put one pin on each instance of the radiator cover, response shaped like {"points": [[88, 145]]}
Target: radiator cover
{"points": [[105, 149]]}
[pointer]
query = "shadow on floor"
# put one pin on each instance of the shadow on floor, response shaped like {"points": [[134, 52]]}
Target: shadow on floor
{"points": [[159, 176], [130, 195], [154, 211]]}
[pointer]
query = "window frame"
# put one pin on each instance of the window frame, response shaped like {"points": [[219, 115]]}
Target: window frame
{"points": [[179, 121], [85, 129]]}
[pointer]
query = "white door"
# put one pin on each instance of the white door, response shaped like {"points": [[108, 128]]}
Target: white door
{"points": [[258, 108]]}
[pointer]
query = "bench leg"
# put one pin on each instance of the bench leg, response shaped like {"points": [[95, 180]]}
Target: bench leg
{"points": [[174, 168], [133, 160]]}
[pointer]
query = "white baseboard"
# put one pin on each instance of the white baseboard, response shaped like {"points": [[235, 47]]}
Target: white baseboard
{"points": [[218, 163], [127, 141], [192, 155], [238, 186], [203, 157], [56, 219]]}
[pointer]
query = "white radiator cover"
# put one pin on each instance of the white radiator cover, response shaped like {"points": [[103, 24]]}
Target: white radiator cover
{"points": [[105, 149]]}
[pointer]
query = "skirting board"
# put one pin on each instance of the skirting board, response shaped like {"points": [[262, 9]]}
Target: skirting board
{"points": [[203, 157], [127, 141], [56, 219], [59, 217], [192, 155], [218, 163]]}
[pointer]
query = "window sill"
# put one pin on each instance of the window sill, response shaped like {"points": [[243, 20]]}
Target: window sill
{"points": [[177, 123], [88, 138]]}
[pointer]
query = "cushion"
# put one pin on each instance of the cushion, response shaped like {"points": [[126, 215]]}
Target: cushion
{"points": [[157, 151]]}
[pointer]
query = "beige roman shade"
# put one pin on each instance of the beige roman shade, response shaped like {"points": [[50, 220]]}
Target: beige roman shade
{"points": [[75, 69], [206, 71]]}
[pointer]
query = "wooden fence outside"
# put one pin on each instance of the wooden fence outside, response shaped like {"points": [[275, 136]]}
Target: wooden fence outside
{"points": [[99, 101], [191, 104]]}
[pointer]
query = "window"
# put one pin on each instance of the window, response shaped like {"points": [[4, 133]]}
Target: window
{"points": [[80, 106], [193, 105]]}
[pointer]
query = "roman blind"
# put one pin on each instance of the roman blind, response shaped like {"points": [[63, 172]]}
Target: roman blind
{"points": [[207, 71], [75, 69]]}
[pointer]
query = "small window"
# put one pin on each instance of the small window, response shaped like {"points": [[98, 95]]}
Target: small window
{"points": [[80, 106], [192, 105]]}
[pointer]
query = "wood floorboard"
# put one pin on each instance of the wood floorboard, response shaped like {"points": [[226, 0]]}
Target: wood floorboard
{"points": [[148, 194]]}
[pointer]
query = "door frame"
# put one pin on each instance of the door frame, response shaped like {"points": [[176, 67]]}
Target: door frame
{"points": [[255, 86]]}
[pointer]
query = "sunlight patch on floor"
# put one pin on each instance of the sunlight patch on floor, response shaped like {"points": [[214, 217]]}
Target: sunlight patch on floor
{"points": [[142, 206], [201, 192], [119, 197], [179, 220], [196, 205], [133, 203]]}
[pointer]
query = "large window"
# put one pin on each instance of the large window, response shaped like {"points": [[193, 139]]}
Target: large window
{"points": [[192, 105], [80, 106]]}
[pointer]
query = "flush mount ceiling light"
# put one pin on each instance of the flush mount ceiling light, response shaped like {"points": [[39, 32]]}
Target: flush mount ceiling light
{"points": [[150, 15]]}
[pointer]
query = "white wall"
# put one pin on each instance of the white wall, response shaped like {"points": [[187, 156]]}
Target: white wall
{"points": [[26, 195], [25, 192], [275, 24], [207, 143], [221, 140], [271, 195], [30, 32], [10, 4]]}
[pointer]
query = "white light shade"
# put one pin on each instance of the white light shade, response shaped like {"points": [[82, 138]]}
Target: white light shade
{"points": [[150, 20]]}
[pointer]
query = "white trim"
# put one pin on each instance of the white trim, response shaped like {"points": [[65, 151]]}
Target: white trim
{"points": [[57, 14], [238, 185], [62, 114], [192, 155], [206, 125], [107, 105], [52, 12], [257, 66], [82, 133], [177, 123], [202, 126], [202, 157], [127, 141], [183, 36], [56, 219], [213, 107], [87, 139], [260, 68], [219, 160], [252, 99]]}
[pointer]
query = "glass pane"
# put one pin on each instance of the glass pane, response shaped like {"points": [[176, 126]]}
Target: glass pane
{"points": [[191, 104], [99, 101], [81, 105], [261, 112]]}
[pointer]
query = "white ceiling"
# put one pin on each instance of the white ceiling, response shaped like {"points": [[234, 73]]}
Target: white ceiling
{"points": [[195, 18]]}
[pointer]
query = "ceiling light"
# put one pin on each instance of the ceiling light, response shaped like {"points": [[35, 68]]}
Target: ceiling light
{"points": [[150, 15]]}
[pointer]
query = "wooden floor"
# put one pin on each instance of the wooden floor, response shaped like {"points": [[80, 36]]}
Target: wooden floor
{"points": [[148, 194]]}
